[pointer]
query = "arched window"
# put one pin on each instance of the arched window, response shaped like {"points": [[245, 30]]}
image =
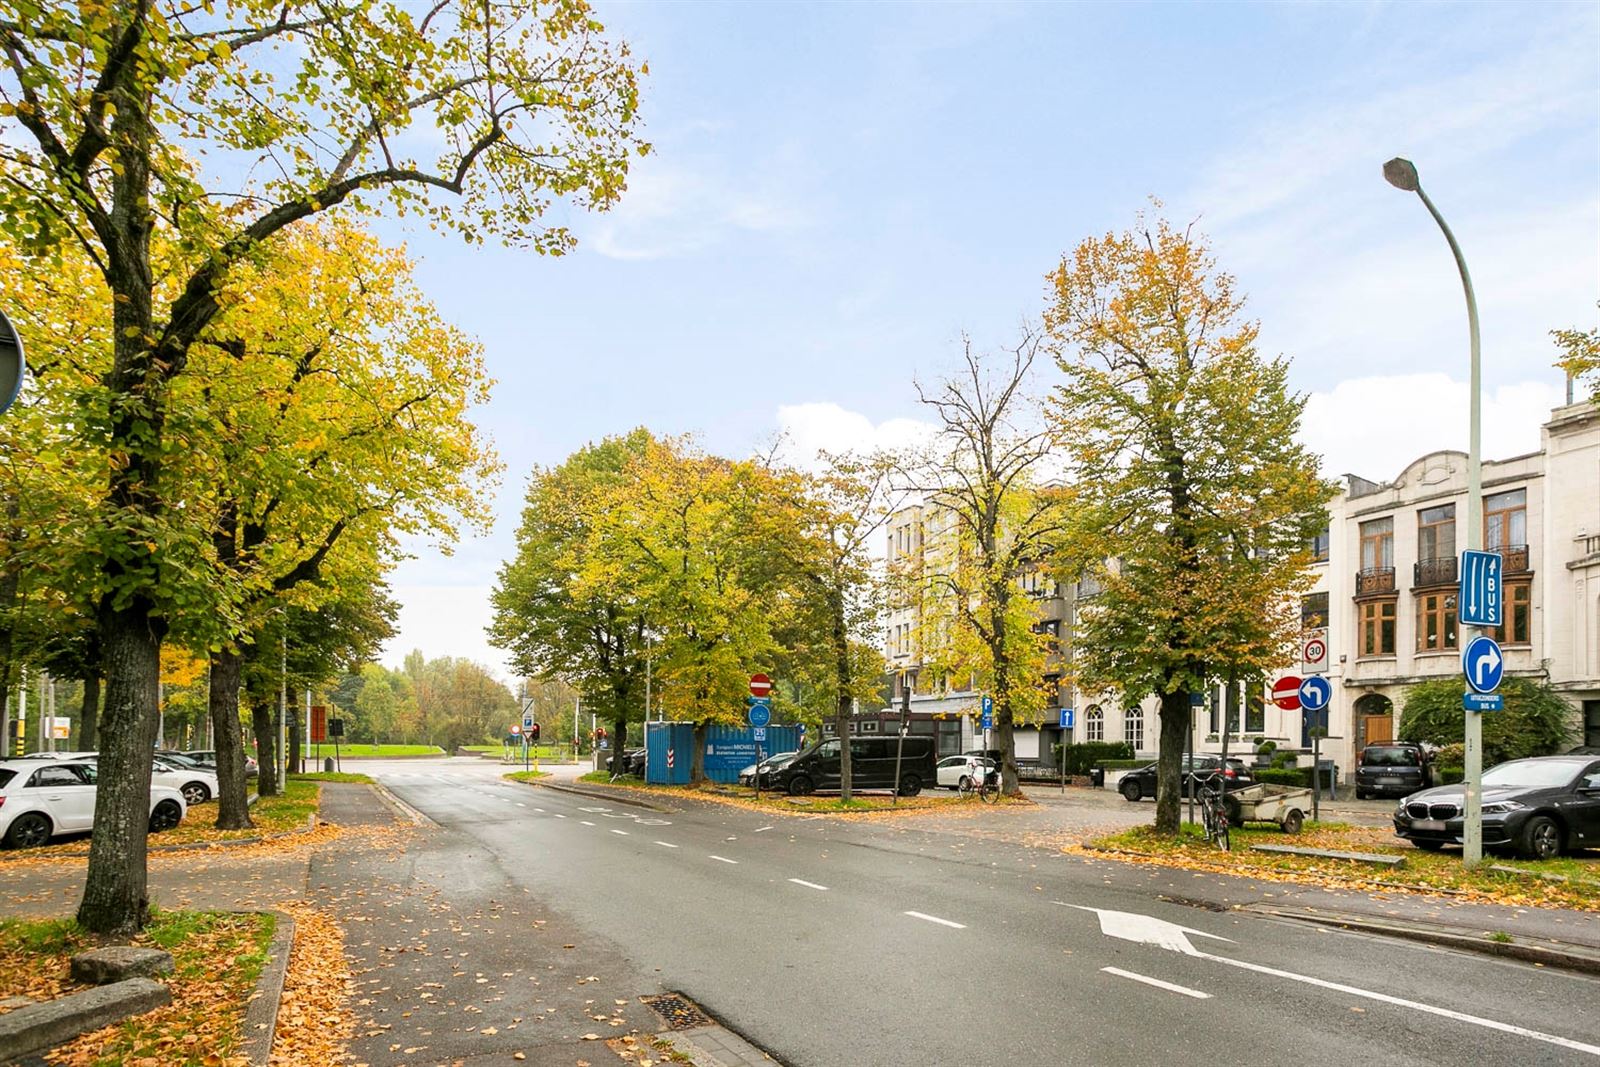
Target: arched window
{"points": [[1094, 724], [1133, 727]]}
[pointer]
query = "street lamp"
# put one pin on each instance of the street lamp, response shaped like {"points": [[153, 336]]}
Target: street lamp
{"points": [[1402, 174]]}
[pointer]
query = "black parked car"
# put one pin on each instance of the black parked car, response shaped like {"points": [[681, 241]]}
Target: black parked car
{"points": [[1136, 785], [633, 762], [1540, 807], [1392, 769]]}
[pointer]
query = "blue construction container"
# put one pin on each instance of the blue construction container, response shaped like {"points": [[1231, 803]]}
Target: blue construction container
{"points": [[729, 750]]}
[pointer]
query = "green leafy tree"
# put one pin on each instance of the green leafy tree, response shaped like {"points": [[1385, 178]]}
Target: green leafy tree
{"points": [[320, 106], [1192, 500], [1536, 720]]}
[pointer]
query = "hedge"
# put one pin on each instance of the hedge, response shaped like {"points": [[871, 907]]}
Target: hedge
{"points": [[1299, 777], [1536, 720], [1451, 775], [1082, 757]]}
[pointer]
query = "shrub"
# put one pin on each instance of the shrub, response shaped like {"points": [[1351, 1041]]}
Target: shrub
{"points": [[1535, 722], [1082, 757], [1299, 777], [1451, 775], [1285, 761]]}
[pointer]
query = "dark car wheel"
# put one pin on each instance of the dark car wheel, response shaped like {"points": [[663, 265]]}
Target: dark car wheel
{"points": [[1130, 789], [799, 785], [1427, 845], [195, 793], [165, 816], [1361, 794], [1541, 839], [30, 830], [910, 785]]}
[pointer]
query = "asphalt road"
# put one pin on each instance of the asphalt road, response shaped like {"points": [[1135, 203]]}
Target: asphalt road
{"points": [[829, 942]]}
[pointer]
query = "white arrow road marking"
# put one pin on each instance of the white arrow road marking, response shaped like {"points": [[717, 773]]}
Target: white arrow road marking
{"points": [[936, 919], [724, 859], [1145, 929], [1158, 983], [1170, 936], [808, 885]]}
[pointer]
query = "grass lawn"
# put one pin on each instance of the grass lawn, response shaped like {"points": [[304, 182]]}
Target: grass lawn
{"points": [[1577, 884], [525, 776], [779, 802], [272, 815], [331, 776], [217, 958], [372, 751], [539, 751]]}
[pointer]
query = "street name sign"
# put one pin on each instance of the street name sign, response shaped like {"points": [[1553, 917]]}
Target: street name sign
{"points": [[1483, 664], [1286, 692], [1480, 597], [1483, 702], [1315, 692]]}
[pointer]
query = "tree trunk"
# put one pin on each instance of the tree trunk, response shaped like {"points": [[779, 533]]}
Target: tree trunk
{"points": [[697, 763], [1004, 720], [1175, 712], [89, 714], [618, 747], [842, 676], [266, 748], [115, 896], [294, 733], [233, 785]]}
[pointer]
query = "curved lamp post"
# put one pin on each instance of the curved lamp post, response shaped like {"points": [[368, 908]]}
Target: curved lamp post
{"points": [[1402, 174]]}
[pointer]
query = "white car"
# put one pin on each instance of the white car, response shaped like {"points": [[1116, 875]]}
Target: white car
{"points": [[953, 770], [197, 784], [42, 798]]}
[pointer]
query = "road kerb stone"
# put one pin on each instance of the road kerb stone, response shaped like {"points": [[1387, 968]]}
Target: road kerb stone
{"points": [[716, 1046], [261, 1012], [50, 1023]]}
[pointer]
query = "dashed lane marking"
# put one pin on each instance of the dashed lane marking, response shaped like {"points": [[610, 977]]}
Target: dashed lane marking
{"points": [[1158, 983], [808, 885], [936, 919], [666, 844], [723, 859], [624, 833], [586, 822]]}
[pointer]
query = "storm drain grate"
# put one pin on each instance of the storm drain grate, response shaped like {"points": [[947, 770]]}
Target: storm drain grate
{"points": [[679, 1011], [1190, 902]]}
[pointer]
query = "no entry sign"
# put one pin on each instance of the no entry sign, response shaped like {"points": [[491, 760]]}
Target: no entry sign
{"points": [[760, 685], [1286, 692]]}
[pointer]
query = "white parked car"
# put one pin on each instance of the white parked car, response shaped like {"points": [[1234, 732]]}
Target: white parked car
{"points": [[42, 798], [953, 770], [197, 784]]}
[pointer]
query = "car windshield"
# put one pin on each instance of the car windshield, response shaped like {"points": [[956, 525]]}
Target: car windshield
{"points": [[1531, 773], [1390, 757]]}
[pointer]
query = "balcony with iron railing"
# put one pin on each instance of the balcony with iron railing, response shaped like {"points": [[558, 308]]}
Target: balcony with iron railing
{"points": [[1441, 570], [1373, 581], [1515, 558]]}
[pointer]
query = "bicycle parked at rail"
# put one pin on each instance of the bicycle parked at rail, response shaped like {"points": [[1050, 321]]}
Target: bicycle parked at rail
{"points": [[986, 785], [1213, 812]]}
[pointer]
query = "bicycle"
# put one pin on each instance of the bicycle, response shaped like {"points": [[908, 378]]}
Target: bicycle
{"points": [[987, 788], [1213, 813]]}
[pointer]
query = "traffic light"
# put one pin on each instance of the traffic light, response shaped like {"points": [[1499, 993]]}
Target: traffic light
{"points": [[533, 733], [600, 734]]}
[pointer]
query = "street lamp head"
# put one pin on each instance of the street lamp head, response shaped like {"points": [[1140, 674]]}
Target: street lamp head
{"points": [[1402, 174]]}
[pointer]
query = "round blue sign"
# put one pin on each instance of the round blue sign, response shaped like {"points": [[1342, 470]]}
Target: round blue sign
{"points": [[1315, 692], [1483, 664], [760, 714]]}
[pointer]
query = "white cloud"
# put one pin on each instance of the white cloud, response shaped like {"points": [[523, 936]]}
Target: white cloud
{"points": [[445, 620], [1375, 426], [811, 429]]}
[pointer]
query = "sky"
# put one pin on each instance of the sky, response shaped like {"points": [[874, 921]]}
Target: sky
{"points": [[838, 192]]}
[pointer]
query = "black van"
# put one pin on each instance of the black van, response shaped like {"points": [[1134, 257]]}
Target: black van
{"points": [[872, 763]]}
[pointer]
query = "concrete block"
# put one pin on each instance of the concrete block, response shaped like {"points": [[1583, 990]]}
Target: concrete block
{"points": [[116, 963], [45, 1025]]}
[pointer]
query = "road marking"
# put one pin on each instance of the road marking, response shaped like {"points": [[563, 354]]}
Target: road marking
{"points": [[520, 804], [1458, 1016], [936, 919], [666, 844], [624, 833], [586, 822], [558, 814], [1158, 983], [763, 830], [1144, 929], [808, 885], [724, 859], [536, 808]]}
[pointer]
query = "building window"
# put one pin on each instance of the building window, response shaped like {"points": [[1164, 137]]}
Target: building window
{"points": [[1505, 520], [1313, 611], [1094, 724], [1517, 611], [1255, 711], [1436, 532], [1133, 727], [1377, 544], [1319, 547], [1436, 622], [1376, 635]]}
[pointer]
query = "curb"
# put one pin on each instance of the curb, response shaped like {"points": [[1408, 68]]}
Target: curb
{"points": [[405, 811], [1557, 954], [261, 1012], [595, 795]]}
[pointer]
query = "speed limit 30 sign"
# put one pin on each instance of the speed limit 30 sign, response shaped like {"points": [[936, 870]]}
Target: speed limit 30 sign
{"points": [[1314, 650]]}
